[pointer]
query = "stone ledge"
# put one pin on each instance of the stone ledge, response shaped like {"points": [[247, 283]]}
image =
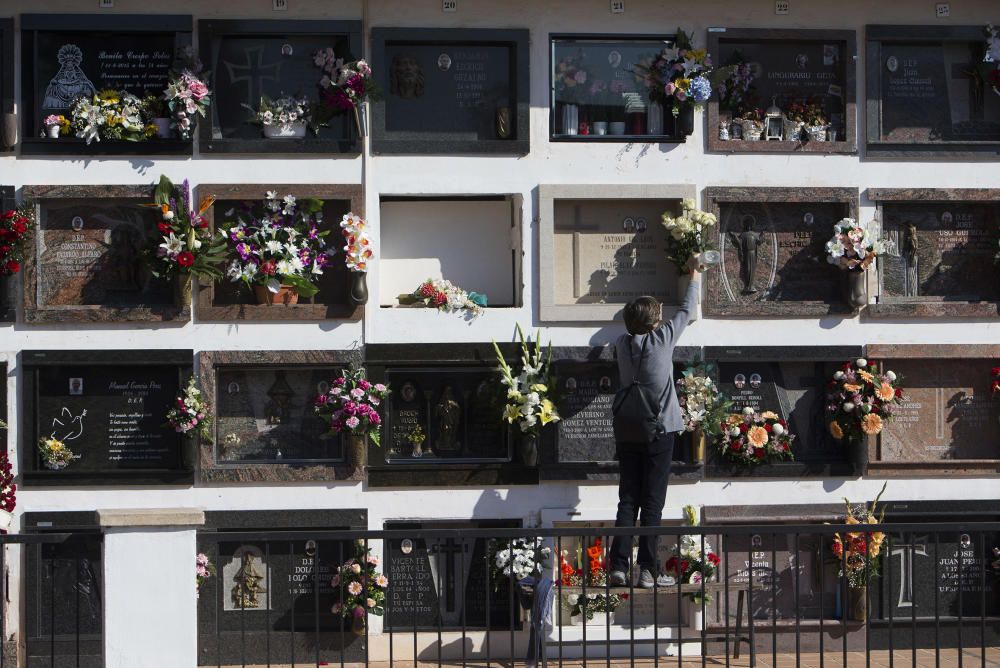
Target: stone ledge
{"points": [[150, 517]]}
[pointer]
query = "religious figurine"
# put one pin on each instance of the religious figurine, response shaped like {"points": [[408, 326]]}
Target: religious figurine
{"points": [[449, 414], [123, 260], [406, 78], [911, 245], [746, 243], [280, 393], [69, 82], [248, 585]]}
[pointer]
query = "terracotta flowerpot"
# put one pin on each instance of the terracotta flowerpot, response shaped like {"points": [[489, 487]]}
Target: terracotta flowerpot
{"points": [[527, 450], [286, 295], [857, 604], [358, 450]]}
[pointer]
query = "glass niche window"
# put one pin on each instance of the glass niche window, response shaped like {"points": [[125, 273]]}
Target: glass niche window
{"points": [[598, 94]]}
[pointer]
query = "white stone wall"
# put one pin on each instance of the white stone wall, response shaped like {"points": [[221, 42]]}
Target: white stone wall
{"points": [[566, 163]]}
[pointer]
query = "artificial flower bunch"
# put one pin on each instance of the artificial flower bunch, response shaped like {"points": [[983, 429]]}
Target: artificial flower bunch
{"points": [[54, 120], [278, 244], [112, 115], [351, 404], [736, 93], [692, 560], [703, 406], [344, 85], [8, 488], [688, 233], [519, 558], [853, 246], [189, 415], [55, 454], [16, 226], [753, 438], [995, 380], [284, 112], [358, 245], [992, 58], [528, 405], [186, 246], [203, 570], [860, 399], [570, 77], [679, 76], [360, 587], [187, 95], [590, 569], [858, 551], [446, 296]]}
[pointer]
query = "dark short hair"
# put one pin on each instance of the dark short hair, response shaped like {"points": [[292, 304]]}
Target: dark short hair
{"points": [[641, 315]]}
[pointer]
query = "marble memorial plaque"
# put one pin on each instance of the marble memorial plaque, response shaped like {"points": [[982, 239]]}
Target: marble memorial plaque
{"points": [[584, 393], [939, 251], [948, 412], [453, 413], [266, 415], [89, 254], [612, 251]]}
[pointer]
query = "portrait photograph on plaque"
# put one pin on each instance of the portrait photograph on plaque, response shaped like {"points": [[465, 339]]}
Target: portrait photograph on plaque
{"points": [[262, 69], [450, 91], [96, 84]]}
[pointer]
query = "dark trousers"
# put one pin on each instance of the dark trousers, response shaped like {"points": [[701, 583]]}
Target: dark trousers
{"points": [[642, 491]]}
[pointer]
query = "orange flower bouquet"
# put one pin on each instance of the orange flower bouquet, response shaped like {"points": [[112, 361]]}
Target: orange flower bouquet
{"points": [[591, 569], [860, 400], [753, 438], [858, 552]]}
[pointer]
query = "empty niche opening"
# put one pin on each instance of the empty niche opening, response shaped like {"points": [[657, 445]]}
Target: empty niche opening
{"points": [[473, 242]]}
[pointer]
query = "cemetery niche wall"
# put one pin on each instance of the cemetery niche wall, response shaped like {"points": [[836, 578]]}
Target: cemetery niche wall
{"points": [[228, 299], [271, 598], [602, 246], [256, 59], [443, 423], [66, 56], [86, 263], [791, 382], [927, 92], [581, 446], [941, 248], [946, 424], [8, 133], [612, 104], [772, 243], [108, 408], [449, 91], [803, 79], [265, 427]]}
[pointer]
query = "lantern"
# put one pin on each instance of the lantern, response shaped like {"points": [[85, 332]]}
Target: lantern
{"points": [[774, 121]]}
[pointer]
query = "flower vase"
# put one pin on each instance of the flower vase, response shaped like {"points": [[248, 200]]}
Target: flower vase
{"points": [[792, 130], [856, 289], [527, 450], [697, 447], [684, 121], [358, 292], [184, 289], [418, 449], [358, 450], [358, 626], [361, 119], [616, 128], [654, 118], [503, 123], [857, 604], [52, 131], [286, 295], [162, 127], [570, 119], [696, 616], [286, 131], [6, 520], [817, 132]]}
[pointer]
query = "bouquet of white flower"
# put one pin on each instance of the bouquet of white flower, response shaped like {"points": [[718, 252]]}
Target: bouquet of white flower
{"points": [[527, 402], [520, 557], [688, 234], [853, 247]]}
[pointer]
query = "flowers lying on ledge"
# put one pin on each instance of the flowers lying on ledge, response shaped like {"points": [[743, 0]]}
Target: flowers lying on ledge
{"points": [[55, 454], [189, 414], [445, 296], [753, 438], [112, 115], [860, 400]]}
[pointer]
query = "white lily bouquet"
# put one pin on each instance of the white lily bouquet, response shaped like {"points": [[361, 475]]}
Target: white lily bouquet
{"points": [[528, 404]]}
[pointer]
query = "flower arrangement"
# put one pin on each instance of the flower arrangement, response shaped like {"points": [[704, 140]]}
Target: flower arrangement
{"points": [[57, 120], [995, 380], [590, 569], [16, 226], [344, 85], [8, 488], [528, 404], [360, 586], [55, 454], [991, 58], [702, 404], [692, 560], [187, 95], [859, 552], [860, 400], [278, 244], [351, 405], [448, 297], [688, 234], [519, 558], [570, 78], [736, 92], [753, 438], [285, 112], [112, 115], [189, 415], [358, 244], [853, 247], [203, 570], [679, 77], [186, 246]]}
